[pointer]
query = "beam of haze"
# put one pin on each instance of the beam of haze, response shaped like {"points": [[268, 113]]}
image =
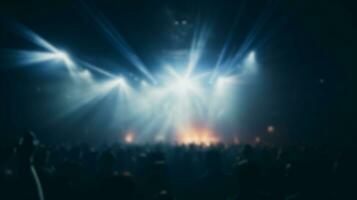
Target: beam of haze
{"points": [[198, 44], [27, 57], [31, 36], [117, 40], [227, 43], [252, 35], [97, 69]]}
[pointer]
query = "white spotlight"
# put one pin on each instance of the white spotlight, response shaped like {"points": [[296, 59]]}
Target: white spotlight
{"points": [[220, 81], [250, 64], [225, 80], [63, 56], [251, 57], [85, 74], [183, 84], [121, 82], [223, 83]]}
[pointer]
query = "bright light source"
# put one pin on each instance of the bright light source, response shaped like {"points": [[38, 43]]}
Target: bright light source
{"points": [[63, 56], [251, 57], [250, 64], [129, 138], [183, 85], [223, 83], [85, 74], [121, 82], [123, 85], [197, 135], [270, 129]]}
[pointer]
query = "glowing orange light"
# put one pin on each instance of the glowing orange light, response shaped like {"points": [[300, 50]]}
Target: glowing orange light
{"points": [[129, 138], [197, 135]]}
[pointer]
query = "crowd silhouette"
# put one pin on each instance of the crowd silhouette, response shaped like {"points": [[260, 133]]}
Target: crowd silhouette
{"points": [[32, 170]]}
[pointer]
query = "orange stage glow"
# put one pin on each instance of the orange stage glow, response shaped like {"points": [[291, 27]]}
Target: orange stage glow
{"points": [[197, 135], [129, 138]]}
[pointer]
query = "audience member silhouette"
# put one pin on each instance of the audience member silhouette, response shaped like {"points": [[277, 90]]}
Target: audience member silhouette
{"points": [[33, 170]]}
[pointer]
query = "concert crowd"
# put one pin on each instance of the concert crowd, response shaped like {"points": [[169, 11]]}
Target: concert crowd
{"points": [[33, 170]]}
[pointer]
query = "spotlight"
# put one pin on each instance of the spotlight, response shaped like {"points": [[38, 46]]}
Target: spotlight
{"points": [[183, 85], [121, 81], [223, 83], [85, 74], [250, 65], [63, 56], [251, 57]]}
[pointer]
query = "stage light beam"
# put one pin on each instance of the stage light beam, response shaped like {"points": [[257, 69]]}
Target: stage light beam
{"points": [[121, 82], [183, 85], [63, 56], [251, 57]]}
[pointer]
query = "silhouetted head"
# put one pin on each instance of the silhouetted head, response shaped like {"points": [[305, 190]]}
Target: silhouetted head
{"points": [[27, 146]]}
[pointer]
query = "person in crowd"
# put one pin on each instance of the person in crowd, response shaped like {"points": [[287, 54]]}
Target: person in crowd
{"points": [[37, 171]]}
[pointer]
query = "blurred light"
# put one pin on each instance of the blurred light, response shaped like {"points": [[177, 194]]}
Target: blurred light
{"points": [[129, 138], [32, 57], [257, 139], [24, 57], [183, 85], [224, 84], [322, 81], [31, 36], [236, 140], [160, 137], [250, 64], [143, 83], [61, 55], [251, 57], [121, 82], [64, 57], [118, 41], [197, 136], [270, 129], [85, 74], [222, 81], [96, 69]]}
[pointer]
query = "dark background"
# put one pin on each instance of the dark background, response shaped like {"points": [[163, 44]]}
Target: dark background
{"points": [[305, 49]]}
